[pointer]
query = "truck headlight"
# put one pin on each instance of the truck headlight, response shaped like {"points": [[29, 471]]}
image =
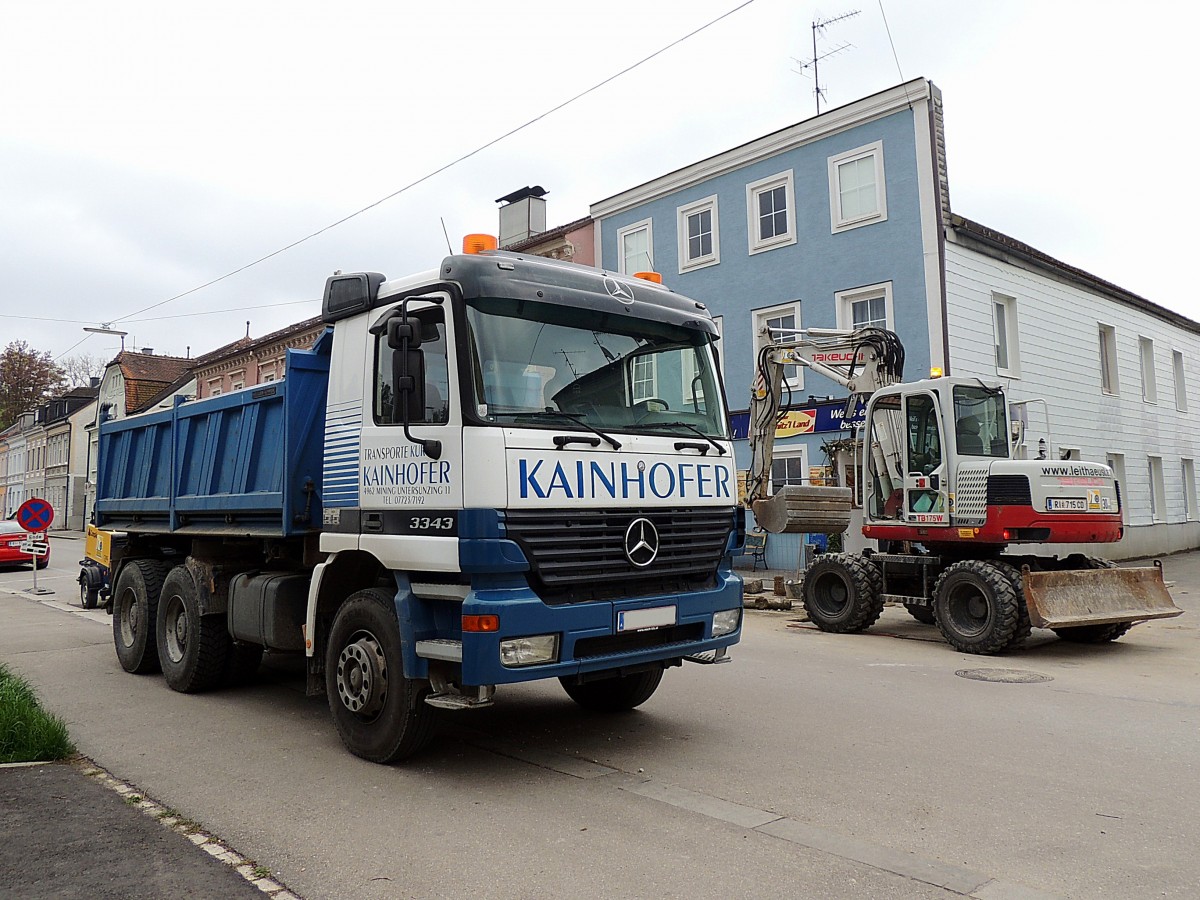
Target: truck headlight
{"points": [[529, 651], [726, 622]]}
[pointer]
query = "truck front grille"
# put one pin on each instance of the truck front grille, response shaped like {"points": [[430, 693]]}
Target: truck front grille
{"points": [[578, 555]]}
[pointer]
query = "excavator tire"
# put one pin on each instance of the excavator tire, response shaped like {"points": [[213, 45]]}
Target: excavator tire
{"points": [[1095, 634], [1024, 626], [921, 612], [841, 593], [976, 607]]}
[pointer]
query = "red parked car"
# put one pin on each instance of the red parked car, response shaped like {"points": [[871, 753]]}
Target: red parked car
{"points": [[12, 536]]}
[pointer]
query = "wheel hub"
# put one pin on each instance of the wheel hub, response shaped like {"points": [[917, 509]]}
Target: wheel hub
{"points": [[362, 678], [177, 629], [129, 627]]}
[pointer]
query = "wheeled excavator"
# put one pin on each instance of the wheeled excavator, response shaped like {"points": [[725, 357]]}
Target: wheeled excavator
{"points": [[959, 522]]}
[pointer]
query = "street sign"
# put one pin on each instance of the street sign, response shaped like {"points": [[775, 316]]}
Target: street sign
{"points": [[35, 514], [35, 548]]}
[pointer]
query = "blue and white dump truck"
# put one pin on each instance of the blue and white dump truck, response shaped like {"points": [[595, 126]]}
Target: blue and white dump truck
{"points": [[502, 470]]}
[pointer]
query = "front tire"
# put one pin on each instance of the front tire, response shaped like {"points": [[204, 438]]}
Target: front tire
{"points": [[616, 694], [380, 715], [135, 610], [841, 593], [976, 607], [192, 648]]}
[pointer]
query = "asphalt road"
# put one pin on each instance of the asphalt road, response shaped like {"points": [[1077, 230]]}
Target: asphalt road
{"points": [[813, 765]]}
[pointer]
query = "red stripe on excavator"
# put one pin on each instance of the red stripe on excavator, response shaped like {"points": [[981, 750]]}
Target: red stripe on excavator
{"points": [[1065, 528]]}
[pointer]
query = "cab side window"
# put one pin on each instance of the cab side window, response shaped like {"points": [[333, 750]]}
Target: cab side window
{"points": [[430, 403]]}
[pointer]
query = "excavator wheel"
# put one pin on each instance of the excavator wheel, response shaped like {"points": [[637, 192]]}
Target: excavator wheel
{"points": [[841, 593], [976, 607], [1095, 634], [921, 612], [1024, 626]]}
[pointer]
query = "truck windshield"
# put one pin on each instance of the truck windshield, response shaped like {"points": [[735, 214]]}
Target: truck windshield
{"points": [[615, 373], [980, 421]]}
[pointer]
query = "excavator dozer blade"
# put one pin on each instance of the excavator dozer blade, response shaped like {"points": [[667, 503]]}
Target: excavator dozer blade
{"points": [[1097, 596], [804, 509]]}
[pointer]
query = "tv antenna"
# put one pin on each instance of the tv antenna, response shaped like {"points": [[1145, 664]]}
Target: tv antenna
{"points": [[819, 26]]}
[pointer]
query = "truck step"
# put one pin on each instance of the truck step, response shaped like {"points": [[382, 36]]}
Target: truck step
{"points": [[453, 699], [710, 657], [442, 648]]}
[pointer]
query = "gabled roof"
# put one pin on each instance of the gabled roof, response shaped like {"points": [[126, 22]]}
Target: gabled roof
{"points": [[249, 345]]}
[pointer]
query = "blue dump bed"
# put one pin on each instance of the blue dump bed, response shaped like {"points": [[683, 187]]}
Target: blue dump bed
{"points": [[244, 463]]}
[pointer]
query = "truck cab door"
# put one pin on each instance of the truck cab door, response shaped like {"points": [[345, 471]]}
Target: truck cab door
{"points": [[925, 487]]}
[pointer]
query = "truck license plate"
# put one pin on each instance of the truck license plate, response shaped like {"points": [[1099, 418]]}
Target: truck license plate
{"points": [[641, 619], [1066, 504]]}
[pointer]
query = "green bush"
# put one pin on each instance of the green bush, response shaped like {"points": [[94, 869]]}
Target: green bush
{"points": [[27, 732]]}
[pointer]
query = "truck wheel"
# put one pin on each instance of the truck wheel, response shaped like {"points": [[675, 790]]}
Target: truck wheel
{"points": [[616, 694], [135, 609], [920, 612], [841, 593], [1093, 634], [380, 715], [976, 607], [192, 648]]}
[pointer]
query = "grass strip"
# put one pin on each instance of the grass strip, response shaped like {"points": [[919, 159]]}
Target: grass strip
{"points": [[27, 732]]}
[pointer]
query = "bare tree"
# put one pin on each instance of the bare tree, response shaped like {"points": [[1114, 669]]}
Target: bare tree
{"points": [[27, 377], [82, 368]]}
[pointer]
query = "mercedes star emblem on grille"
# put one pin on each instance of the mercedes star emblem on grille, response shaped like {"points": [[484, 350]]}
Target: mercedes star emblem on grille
{"points": [[617, 290], [641, 542]]}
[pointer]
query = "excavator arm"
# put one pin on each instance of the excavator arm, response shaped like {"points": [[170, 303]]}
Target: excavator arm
{"points": [[862, 361]]}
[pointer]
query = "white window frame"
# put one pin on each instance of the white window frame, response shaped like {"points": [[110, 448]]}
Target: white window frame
{"points": [[840, 222], [646, 225], [794, 451], [1110, 382], [1158, 489], [683, 213], [759, 244], [1181, 403], [845, 300], [1187, 469], [1004, 326], [1146, 363], [650, 361], [759, 318]]}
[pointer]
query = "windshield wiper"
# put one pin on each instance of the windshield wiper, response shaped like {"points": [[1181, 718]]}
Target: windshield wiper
{"points": [[692, 428], [578, 420]]}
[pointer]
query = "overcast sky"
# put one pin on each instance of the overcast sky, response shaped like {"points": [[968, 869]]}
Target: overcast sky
{"points": [[147, 148]]}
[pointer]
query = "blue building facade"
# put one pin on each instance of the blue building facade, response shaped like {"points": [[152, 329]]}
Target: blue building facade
{"points": [[835, 222]]}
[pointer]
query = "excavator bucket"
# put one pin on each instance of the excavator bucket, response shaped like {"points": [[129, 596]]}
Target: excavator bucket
{"points": [[804, 509], [1066, 599]]}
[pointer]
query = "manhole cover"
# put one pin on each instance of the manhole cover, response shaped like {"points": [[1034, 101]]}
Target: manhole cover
{"points": [[1005, 676]]}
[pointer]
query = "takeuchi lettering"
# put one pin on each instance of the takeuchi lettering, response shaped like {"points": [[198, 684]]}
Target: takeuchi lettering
{"points": [[585, 480]]}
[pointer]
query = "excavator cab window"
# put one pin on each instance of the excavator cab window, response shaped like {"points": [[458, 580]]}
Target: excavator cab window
{"points": [[923, 465], [980, 421]]}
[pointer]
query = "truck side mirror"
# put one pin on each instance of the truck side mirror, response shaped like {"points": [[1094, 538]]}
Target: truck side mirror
{"points": [[408, 378]]}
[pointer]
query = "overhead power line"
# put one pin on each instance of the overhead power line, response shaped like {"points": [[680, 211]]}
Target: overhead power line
{"points": [[443, 168]]}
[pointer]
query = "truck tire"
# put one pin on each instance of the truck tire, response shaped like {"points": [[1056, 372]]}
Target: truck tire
{"points": [[135, 610], [976, 607], [921, 612], [841, 593], [380, 715], [616, 694], [192, 648]]}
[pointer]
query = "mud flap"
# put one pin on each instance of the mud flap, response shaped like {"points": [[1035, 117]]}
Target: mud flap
{"points": [[805, 509], [1066, 599]]}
